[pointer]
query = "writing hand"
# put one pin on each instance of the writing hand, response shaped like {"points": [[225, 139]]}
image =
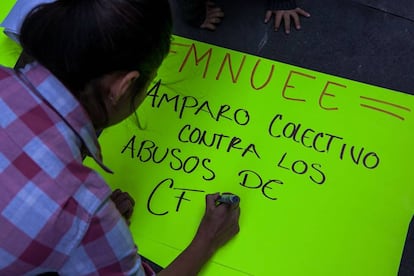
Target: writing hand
{"points": [[220, 222], [286, 16]]}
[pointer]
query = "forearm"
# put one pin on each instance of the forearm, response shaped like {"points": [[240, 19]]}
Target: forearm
{"points": [[219, 224], [190, 261]]}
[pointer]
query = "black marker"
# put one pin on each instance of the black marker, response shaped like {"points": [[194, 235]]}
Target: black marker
{"points": [[229, 199]]}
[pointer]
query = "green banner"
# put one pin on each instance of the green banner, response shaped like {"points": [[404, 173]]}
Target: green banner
{"points": [[9, 50], [323, 165]]}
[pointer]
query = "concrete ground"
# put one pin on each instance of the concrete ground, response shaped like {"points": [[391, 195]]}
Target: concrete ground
{"points": [[370, 41]]}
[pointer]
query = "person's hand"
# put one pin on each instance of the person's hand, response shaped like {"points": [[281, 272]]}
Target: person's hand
{"points": [[214, 15], [124, 203], [220, 222], [286, 16]]}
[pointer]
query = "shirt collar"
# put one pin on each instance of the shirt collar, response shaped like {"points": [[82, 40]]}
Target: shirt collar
{"points": [[66, 106]]}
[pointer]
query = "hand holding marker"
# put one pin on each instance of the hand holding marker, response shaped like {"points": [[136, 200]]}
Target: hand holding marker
{"points": [[228, 199]]}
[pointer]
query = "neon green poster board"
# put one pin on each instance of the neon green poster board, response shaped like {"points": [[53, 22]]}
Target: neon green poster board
{"points": [[323, 165], [9, 50]]}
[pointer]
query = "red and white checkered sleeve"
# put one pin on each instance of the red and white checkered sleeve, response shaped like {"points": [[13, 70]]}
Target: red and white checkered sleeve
{"points": [[107, 248]]}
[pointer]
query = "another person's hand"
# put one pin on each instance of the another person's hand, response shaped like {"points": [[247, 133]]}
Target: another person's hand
{"points": [[124, 203], [286, 16], [219, 224], [214, 15]]}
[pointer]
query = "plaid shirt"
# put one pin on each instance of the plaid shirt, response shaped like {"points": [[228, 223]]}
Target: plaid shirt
{"points": [[55, 213]]}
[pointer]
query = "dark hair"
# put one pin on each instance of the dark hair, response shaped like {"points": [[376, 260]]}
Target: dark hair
{"points": [[80, 41]]}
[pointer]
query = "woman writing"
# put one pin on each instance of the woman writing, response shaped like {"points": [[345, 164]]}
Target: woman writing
{"points": [[93, 62]]}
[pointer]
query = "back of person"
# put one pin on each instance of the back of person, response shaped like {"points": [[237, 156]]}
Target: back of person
{"points": [[44, 184]]}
